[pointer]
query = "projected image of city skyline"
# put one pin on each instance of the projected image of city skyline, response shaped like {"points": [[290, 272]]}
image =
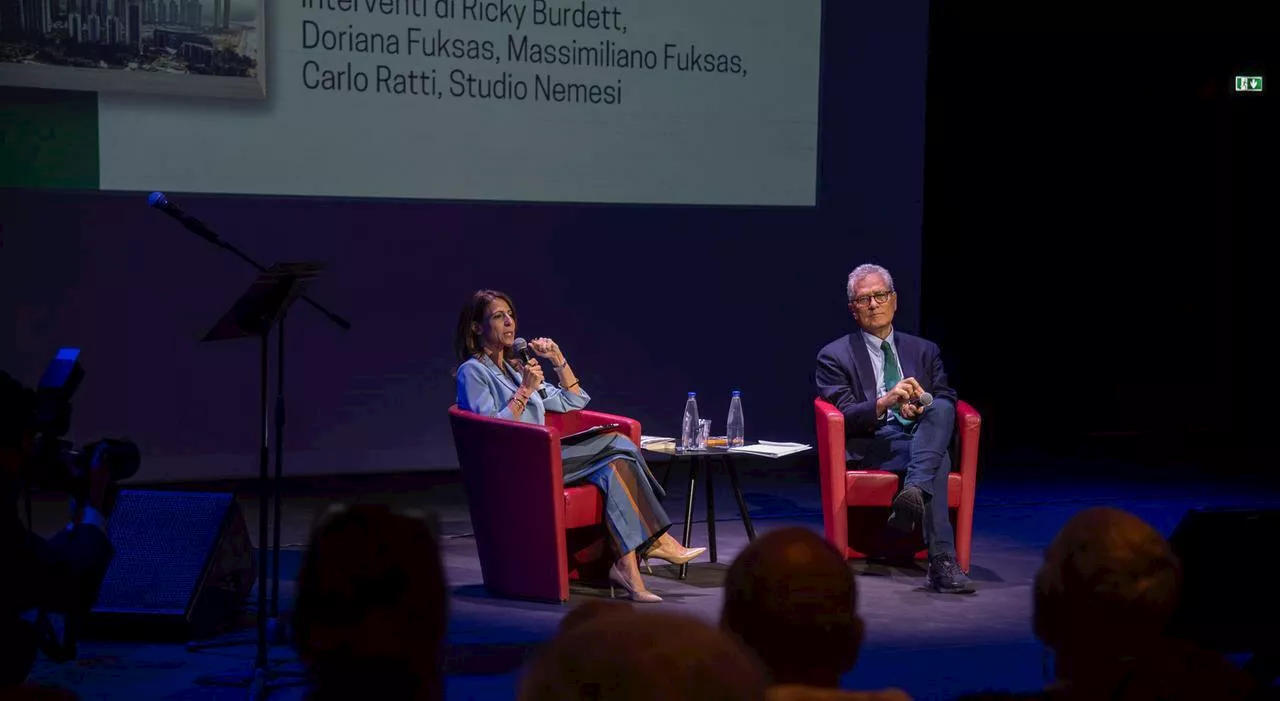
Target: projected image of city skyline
{"points": [[211, 48]]}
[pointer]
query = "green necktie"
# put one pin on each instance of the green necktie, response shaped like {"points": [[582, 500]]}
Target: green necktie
{"points": [[892, 377]]}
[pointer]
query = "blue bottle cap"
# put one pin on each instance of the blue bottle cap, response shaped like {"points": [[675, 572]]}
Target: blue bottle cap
{"points": [[692, 395], [737, 393]]}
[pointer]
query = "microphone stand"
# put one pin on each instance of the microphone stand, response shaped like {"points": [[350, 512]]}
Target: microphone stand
{"points": [[258, 681]]}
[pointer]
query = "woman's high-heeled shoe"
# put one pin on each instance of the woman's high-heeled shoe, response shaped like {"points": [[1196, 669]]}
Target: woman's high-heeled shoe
{"points": [[683, 557], [644, 597]]}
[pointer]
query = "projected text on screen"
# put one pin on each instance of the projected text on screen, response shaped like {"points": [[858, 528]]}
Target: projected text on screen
{"points": [[635, 101], [518, 49]]}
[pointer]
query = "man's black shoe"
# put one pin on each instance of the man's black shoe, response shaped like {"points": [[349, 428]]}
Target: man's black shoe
{"points": [[908, 508], [946, 577]]}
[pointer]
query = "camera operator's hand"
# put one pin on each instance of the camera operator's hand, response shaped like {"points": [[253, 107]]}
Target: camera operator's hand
{"points": [[97, 495], [10, 465], [16, 439], [12, 459]]}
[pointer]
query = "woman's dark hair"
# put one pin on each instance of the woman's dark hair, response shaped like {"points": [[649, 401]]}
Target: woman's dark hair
{"points": [[466, 342]]}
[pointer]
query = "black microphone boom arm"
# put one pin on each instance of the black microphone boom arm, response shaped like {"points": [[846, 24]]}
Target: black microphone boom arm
{"points": [[197, 227]]}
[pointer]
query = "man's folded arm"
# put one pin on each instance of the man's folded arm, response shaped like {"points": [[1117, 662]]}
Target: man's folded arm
{"points": [[833, 385]]}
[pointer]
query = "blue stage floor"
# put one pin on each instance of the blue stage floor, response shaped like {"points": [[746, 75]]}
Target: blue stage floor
{"points": [[931, 645]]}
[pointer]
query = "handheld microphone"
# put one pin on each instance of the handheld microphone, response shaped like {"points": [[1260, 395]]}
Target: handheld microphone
{"points": [[158, 201], [521, 347], [925, 399]]}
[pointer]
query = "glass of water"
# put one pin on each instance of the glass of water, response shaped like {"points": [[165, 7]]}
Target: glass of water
{"points": [[704, 433]]}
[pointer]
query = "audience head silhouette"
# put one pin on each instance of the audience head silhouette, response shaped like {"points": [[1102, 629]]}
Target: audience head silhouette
{"points": [[792, 598], [642, 657], [594, 609], [372, 605], [1108, 587]]}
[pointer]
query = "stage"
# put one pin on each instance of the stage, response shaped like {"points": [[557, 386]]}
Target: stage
{"points": [[931, 645]]}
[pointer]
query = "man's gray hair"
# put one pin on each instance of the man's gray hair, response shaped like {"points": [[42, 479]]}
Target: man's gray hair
{"points": [[865, 270]]}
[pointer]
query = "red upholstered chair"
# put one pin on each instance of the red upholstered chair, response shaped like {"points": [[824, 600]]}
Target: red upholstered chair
{"points": [[856, 503], [533, 533]]}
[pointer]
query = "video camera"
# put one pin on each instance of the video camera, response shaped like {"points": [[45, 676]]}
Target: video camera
{"points": [[34, 454], [52, 463]]}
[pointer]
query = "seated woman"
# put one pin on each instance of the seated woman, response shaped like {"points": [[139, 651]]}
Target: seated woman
{"points": [[494, 381]]}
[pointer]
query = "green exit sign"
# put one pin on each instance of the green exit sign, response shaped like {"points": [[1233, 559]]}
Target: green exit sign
{"points": [[1248, 83]]}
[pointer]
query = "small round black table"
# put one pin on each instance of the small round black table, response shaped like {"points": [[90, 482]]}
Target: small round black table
{"points": [[700, 460]]}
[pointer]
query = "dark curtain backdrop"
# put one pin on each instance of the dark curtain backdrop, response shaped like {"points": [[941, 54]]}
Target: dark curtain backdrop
{"points": [[1091, 179]]}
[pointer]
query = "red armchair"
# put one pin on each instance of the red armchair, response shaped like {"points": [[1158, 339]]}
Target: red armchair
{"points": [[533, 533], [856, 503]]}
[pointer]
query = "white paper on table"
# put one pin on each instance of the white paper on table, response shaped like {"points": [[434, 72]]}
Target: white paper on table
{"points": [[771, 449]]}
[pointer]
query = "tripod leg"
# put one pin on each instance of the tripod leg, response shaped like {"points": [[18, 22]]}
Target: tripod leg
{"points": [[258, 685], [279, 476], [263, 506]]}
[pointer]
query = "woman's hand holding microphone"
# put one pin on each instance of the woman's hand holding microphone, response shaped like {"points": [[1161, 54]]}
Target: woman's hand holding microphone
{"points": [[533, 378]]}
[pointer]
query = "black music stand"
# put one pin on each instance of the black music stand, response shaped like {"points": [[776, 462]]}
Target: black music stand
{"points": [[260, 308]]}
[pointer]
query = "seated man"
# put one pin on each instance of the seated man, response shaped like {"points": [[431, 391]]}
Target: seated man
{"points": [[875, 377], [792, 599]]}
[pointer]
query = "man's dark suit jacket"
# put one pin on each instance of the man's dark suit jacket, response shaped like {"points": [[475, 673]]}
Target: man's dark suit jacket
{"points": [[845, 378]]}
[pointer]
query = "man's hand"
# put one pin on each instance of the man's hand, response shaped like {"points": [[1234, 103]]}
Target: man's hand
{"points": [[892, 398], [913, 388], [910, 411], [903, 392]]}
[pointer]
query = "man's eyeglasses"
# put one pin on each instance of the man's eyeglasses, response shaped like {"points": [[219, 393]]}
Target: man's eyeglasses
{"points": [[879, 297]]}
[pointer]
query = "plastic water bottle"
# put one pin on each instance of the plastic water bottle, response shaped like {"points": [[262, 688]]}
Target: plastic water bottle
{"points": [[735, 432], [689, 427]]}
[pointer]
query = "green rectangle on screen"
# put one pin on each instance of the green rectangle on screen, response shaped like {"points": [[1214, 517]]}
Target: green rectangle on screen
{"points": [[48, 139]]}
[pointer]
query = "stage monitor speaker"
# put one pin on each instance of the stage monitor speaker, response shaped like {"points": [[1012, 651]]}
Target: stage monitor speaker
{"points": [[183, 564], [1228, 603]]}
